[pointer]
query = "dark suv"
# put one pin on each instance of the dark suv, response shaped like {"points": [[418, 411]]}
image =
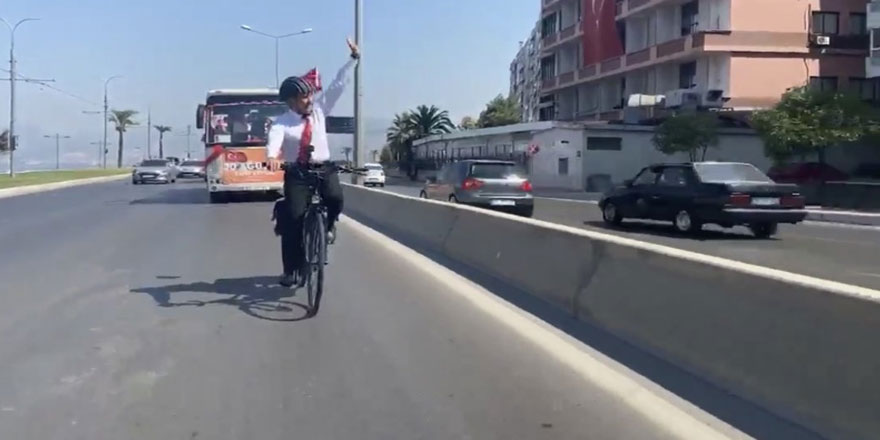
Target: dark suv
{"points": [[492, 184]]}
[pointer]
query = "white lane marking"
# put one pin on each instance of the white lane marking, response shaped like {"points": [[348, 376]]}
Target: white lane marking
{"points": [[807, 281], [669, 412], [867, 274]]}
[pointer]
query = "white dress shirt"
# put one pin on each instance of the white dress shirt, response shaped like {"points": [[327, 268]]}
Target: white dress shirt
{"points": [[286, 131]]}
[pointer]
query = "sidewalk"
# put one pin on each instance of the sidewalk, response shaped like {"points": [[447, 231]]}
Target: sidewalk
{"points": [[819, 214]]}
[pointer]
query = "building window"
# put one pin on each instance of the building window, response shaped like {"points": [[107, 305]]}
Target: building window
{"points": [[824, 83], [687, 75], [604, 143], [689, 15], [548, 26], [563, 166], [858, 23], [875, 39], [825, 23]]}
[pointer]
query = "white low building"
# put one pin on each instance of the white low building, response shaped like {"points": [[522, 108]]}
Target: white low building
{"points": [[579, 156]]}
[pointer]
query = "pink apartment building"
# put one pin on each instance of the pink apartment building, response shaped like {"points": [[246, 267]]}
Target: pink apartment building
{"points": [[739, 54]]}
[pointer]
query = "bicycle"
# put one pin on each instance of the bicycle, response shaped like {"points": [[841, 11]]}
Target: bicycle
{"points": [[315, 237]]}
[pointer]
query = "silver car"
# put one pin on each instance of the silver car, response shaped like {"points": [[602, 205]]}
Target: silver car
{"points": [[492, 184], [191, 168], [154, 171]]}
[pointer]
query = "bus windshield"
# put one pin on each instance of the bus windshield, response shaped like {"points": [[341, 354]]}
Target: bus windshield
{"points": [[242, 123]]}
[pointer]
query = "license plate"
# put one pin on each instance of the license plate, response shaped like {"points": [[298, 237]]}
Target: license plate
{"points": [[502, 203], [765, 201]]}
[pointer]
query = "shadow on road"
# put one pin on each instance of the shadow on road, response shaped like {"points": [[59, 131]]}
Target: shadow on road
{"points": [[260, 297], [666, 230]]}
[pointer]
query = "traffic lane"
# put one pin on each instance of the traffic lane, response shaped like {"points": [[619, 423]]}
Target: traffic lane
{"points": [[835, 252], [163, 321]]}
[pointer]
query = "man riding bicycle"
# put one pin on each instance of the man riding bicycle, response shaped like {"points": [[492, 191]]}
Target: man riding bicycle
{"points": [[298, 142]]}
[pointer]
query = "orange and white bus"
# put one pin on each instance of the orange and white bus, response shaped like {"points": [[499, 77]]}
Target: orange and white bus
{"points": [[236, 125]]}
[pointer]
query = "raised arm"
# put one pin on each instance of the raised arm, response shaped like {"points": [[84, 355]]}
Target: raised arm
{"points": [[334, 91]]}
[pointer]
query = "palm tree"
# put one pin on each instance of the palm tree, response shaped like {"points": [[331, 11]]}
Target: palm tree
{"points": [[162, 130], [399, 134], [122, 119], [428, 121]]}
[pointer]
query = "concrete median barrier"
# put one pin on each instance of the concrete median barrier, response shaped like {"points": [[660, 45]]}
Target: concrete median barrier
{"points": [[802, 347]]}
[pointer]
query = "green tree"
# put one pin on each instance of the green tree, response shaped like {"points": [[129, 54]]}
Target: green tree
{"points": [[386, 157], [499, 111], [4, 141], [122, 119], [162, 129], [467, 123], [399, 134], [807, 121], [427, 121], [691, 133]]}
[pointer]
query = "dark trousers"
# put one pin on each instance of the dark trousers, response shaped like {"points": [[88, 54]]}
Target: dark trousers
{"points": [[296, 195]]}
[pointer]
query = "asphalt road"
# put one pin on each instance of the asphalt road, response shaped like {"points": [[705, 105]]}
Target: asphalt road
{"points": [[142, 312], [841, 253]]}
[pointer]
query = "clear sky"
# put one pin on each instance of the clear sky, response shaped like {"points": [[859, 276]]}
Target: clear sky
{"points": [[451, 53]]}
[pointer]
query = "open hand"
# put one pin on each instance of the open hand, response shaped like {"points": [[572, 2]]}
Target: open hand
{"points": [[355, 50]]}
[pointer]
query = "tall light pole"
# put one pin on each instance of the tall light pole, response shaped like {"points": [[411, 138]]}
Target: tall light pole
{"points": [[277, 39], [358, 85], [58, 138], [12, 139], [106, 119]]}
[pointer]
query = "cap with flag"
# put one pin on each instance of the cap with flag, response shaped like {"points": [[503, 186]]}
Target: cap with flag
{"points": [[314, 79]]}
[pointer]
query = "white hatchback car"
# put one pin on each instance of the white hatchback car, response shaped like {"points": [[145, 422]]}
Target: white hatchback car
{"points": [[375, 175]]}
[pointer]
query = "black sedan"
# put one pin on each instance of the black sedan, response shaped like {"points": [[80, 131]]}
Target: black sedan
{"points": [[693, 194]]}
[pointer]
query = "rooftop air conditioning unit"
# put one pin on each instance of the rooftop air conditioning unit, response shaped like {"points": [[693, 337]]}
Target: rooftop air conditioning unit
{"points": [[640, 100], [713, 98]]}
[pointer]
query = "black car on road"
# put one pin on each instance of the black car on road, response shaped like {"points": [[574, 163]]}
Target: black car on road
{"points": [[693, 194]]}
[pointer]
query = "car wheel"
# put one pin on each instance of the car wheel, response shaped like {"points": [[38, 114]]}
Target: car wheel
{"points": [[381, 185], [453, 199], [764, 230], [134, 182], [685, 222], [611, 215], [423, 195]]}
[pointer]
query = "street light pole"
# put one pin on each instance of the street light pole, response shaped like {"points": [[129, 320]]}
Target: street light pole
{"points": [[58, 138], [358, 85], [277, 39], [12, 139], [106, 119]]}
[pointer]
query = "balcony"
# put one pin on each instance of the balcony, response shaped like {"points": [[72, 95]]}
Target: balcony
{"points": [[702, 42], [569, 34], [840, 42], [625, 8]]}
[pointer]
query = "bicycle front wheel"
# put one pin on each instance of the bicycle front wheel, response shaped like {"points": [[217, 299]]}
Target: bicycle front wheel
{"points": [[315, 241]]}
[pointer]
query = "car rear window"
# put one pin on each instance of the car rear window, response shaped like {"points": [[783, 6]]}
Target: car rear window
{"points": [[730, 172], [495, 171]]}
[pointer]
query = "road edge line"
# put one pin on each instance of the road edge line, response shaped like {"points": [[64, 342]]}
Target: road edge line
{"points": [[33, 189]]}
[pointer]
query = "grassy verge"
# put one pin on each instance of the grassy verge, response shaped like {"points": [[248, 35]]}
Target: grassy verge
{"points": [[41, 177]]}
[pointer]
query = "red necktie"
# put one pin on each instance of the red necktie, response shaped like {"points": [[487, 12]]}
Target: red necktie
{"points": [[305, 141]]}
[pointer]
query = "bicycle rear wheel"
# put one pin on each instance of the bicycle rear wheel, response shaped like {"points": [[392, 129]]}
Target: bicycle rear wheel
{"points": [[316, 253]]}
